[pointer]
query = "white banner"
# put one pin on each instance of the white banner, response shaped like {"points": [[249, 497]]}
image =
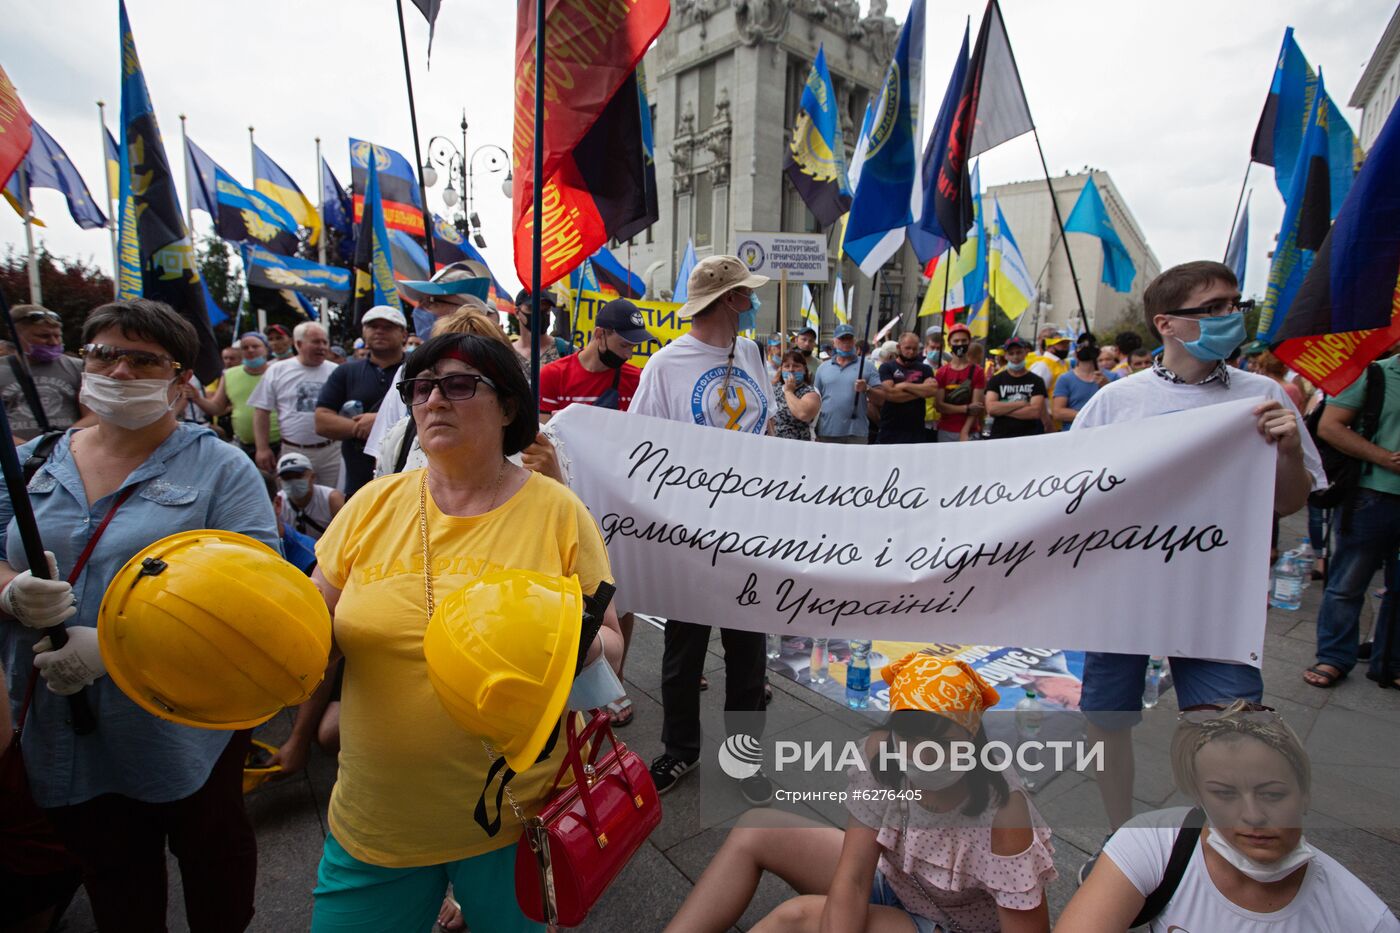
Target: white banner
{"points": [[801, 255], [1149, 538]]}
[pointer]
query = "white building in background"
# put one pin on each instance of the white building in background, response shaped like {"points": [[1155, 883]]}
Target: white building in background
{"points": [[1031, 217], [724, 80], [1379, 86]]}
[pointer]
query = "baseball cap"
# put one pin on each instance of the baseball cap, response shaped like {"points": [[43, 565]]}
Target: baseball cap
{"points": [[712, 277], [1016, 343], [293, 463], [1060, 336], [933, 331], [546, 298], [844, 330], [279, 330], [384, 313], [809, 329], [337, 350], [624, 319]]}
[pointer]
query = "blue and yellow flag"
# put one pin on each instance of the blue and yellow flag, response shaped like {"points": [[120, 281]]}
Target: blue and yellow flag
{"points": [[240, 215], [816, 157], [46, 165], [271, 181], [113, 157], [155, 258], [373, 266], [269, 270]]}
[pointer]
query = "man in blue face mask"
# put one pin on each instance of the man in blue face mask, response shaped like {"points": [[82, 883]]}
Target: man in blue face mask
{"points": [[843, 382], [1196, 308]]}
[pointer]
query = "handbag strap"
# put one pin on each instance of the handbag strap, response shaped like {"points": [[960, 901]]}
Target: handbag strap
{"points": [[1182, 848], [73, 575]]}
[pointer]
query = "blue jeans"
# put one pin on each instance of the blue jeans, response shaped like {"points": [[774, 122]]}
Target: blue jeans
{"points": [[1364, 540], [1112, 695]]}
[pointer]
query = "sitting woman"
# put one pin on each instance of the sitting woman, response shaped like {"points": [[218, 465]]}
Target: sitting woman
{"points": [[1250, 869], [955, 850], [414, 804]]}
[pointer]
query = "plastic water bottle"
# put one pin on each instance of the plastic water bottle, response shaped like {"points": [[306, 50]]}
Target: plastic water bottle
{"points": [[1286, 583], [775, 647], [816, 672], [1305, 557], [1030, 716], [352, 409], [1152, 686], [858, 675]]}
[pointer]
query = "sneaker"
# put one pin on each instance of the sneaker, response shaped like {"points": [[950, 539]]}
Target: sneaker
{"points": [[1088, 865], [666, 770], [757, 790]]}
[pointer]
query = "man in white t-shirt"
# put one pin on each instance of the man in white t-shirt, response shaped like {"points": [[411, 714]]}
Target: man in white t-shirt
{"points": [[290, 388], [714, 378], [1197, 310]]}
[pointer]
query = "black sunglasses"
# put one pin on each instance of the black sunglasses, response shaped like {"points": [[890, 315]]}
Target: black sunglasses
{"points": [[455, 387], [1205, 712]]}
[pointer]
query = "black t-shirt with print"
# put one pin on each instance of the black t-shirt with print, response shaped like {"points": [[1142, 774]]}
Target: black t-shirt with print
{"points": [[1016, 387], [904, 416]]}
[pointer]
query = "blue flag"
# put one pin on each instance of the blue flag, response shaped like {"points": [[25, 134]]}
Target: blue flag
{"points": [[155, 258], [1091, 217], [270, 270], [1279, 135], [927, 236], [1237, 252], [1305, 219], [681, 293], [374, 268], [816, 157], [889, 196], [336, 211], [46, 165], [1354, 281], [240, 215]]}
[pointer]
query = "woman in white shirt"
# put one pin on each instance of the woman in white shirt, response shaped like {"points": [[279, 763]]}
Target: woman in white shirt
{"points": [[1251, 869]]}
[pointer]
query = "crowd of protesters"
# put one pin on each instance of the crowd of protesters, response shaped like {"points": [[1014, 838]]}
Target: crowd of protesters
{"points": [[428, 432]]}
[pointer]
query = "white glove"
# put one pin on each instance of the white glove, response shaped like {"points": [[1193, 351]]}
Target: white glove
{"points": [[36, 602], [74, 666]]}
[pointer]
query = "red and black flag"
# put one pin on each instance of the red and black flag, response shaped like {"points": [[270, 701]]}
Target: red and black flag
{"points": [[594, 178], [992, 110]]}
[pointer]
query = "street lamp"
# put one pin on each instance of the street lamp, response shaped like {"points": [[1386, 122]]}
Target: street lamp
{"points": [[458, 173]]}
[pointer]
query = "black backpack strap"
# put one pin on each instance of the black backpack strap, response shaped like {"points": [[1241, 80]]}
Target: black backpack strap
{"points": [[1182, 848], [409, 434], [40, 454]]}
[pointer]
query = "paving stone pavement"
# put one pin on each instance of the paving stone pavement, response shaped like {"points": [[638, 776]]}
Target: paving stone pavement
{"points": [[1349, 722]]}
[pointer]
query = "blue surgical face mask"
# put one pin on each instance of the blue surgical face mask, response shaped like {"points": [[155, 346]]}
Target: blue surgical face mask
{"points": [[1219, 336], [255, 362], [789, 375], [844, 354], [748, 320]]}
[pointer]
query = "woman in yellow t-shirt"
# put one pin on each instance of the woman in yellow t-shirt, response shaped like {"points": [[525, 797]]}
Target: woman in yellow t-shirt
{"points": [[416, 803]]}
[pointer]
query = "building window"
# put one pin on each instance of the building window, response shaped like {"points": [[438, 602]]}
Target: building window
{"points": [[704, 209], [705, 99]]}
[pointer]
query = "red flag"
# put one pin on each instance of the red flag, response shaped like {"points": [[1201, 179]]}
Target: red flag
{"points": [[591, 49], [1334, 361], [15, 136]]}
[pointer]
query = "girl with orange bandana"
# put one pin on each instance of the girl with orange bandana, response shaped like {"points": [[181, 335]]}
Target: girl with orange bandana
{"points": [[927, 847]]}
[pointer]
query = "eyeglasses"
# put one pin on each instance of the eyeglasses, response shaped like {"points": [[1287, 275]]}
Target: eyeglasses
{"points": [[1205, 712], [456, 387], [1220, 308], [34, 317], [104, 357]]}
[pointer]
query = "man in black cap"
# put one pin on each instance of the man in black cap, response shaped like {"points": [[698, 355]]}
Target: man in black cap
{"points": [[1016, 396], [551, 347], [600, 373]]}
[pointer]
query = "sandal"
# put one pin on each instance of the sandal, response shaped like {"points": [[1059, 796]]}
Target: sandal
{"points": [[767, 693], [620, 712], [1329, 678]]}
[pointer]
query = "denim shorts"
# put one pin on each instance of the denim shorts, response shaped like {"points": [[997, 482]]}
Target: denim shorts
{"points": [[882, 895], [1112, 695]]}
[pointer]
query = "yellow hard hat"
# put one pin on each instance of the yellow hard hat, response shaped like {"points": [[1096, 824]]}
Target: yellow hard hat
{"points": [[256, 770], [501, 653], [213, 629]]}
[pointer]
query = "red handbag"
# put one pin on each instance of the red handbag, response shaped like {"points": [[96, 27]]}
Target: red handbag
{"points": [[587, 832]]}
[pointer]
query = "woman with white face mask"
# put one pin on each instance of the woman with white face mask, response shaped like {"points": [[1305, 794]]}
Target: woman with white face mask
{"points": [[930, 845], [1250, 870], [119, 796]]}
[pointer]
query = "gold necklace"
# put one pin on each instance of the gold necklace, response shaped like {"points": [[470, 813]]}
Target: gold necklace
{"points": [[423, 532]]}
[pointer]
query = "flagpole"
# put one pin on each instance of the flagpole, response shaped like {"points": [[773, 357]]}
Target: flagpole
{"points": [[1060, 221], [36, 294], [320, 216], [417, 153], [860, 372], [252, 160], [782, 310], [1238, 201], [111, 196], [189, 199], [537, 232]]}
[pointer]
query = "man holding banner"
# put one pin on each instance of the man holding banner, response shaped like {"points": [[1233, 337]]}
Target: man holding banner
{"points": [[715, 378], [1196, 309]]}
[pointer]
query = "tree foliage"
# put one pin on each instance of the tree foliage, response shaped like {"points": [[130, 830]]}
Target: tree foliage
{"points": [[71, 287]]}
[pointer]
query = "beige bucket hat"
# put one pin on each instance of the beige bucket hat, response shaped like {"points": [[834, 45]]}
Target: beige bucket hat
{"points": [[712, 277]]}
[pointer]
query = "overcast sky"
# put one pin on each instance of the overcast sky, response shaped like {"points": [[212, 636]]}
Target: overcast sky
{"points": [[1164, 97]]}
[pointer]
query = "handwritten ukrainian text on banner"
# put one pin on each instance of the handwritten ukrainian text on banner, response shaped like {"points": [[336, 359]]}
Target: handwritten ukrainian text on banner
{"points": [[661, 319], [1005, 542]]}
